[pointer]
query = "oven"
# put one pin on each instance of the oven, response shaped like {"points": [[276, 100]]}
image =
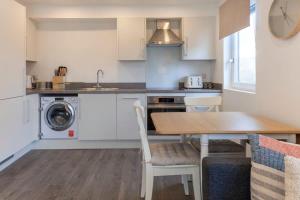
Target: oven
{"points": [[157, 104]]}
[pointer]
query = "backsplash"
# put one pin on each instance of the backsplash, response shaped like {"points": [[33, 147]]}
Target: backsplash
{"points": [[165, 69]]}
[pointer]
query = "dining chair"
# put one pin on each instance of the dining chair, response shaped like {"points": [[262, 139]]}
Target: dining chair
{"points": [[203, 104], [216, 147], [166, 159]]}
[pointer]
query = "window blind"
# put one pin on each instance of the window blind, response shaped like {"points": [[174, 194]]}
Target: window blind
{"points": [[234, 15]]}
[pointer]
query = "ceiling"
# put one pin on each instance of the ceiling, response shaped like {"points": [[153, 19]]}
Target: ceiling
{"points": [[116, 2]]}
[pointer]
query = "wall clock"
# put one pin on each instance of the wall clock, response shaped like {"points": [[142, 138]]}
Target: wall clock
{"points": [[284, 18]]}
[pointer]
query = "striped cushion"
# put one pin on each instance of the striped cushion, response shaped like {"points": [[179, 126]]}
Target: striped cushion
{"points": [[266, 183], [282, 147], [269, 165], [265, 156], [292, 178]]}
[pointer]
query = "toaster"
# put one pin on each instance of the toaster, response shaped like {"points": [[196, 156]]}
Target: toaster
{"points": [[195, 82]]}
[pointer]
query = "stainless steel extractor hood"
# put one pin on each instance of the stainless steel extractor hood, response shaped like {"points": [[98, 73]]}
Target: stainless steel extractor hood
{"points": [[163, 35]]}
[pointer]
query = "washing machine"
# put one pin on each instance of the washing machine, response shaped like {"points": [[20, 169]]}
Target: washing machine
{"points": [[59, 117]]}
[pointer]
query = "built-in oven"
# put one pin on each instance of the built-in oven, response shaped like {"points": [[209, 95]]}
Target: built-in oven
{"points": [[157, 104]]}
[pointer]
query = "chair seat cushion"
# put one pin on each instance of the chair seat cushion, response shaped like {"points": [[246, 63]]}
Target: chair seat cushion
{"points": [[220, 146], [174, 154]]}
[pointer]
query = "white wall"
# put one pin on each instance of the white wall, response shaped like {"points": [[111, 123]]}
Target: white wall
{"points": [[277, 94], [87, 45]]}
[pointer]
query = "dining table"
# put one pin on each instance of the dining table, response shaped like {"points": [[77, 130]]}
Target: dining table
{"points": [[221, 125]]}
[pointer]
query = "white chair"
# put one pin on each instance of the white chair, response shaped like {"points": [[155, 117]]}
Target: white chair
{"points": [[203, 104], [212, 104], [166, 159]]}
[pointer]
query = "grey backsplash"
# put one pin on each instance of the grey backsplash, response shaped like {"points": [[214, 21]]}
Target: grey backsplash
{"points": [[165, 69]]}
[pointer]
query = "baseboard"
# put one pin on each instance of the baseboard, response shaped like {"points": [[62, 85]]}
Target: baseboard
{"points": [[75, 144], [113, 144], [16, 156]]}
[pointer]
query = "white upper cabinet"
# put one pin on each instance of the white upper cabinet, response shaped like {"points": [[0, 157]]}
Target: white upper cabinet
{"points": [[127, 127], [12, 49], [31, 52], [131, 38], [199, 35], [98, 117]]}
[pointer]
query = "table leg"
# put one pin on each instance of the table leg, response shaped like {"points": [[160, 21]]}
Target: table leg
{"points": [[204, 146], [203, 153]]}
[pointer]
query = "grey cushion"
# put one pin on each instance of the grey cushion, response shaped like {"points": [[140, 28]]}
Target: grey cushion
{"points": [[226, 178], [174, 154], [220, 146]]}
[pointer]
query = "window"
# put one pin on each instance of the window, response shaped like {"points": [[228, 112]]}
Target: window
{"points": [[243, 56]]}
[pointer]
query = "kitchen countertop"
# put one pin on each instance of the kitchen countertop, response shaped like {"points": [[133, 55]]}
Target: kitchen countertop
{"points": [[119, 91], [81, 88]]}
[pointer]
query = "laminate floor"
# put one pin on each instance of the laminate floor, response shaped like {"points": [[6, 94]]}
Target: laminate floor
{"points": [[83, 175]]}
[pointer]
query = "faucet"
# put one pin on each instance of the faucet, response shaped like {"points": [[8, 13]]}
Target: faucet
{"points": [[98, 72]]}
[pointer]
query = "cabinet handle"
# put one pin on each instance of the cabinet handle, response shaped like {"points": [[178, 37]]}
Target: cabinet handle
{"points": [[24, 111], [186, 48], [142, 47], [28, 111], [130, 98]]}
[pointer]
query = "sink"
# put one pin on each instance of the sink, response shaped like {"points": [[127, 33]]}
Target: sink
{"points": [[100, 89]]}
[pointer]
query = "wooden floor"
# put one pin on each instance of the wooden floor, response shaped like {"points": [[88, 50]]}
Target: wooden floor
{"points": [[82, 175]]}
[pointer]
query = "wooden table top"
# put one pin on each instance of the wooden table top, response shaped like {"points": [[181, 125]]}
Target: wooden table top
{"points": [[217, 123]]}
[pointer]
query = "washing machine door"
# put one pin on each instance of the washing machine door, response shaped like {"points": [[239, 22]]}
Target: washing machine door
{"points": [[60, 116]]}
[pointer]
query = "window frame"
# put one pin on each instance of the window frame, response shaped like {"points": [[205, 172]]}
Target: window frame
{"points": [[234, 63]]}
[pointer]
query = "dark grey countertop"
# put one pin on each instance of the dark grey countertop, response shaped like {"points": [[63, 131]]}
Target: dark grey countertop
{"points": [[80, 88], [119, 91]]}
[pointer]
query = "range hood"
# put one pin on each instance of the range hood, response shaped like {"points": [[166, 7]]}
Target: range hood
{"points": [[163, 35]]}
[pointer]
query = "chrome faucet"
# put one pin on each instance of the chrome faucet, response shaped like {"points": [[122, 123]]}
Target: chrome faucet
{"points": [[98, 72]]}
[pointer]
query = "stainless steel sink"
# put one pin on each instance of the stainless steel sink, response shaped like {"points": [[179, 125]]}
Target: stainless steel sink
{"points": [[100, 89]]}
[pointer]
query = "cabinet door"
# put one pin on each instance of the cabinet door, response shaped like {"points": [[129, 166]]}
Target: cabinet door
{"points": [[131, 38], [203, 94], [127, 127], [199, 35], [31, 53], [11, 127], [97, 117], [12, 49], [32, 105]]}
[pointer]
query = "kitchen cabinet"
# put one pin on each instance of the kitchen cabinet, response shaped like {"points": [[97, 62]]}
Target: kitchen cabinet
{"points": [[32, 105], [199, 35], [97, 117], [12, 49], [127, 127], [12, 121], [31, 52], [131, 38]]}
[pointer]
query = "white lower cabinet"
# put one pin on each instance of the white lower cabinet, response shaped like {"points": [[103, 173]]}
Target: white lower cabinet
{"points": [[32, 105], [127, 127], [97, 117], [11, 126], [19, 124]]}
